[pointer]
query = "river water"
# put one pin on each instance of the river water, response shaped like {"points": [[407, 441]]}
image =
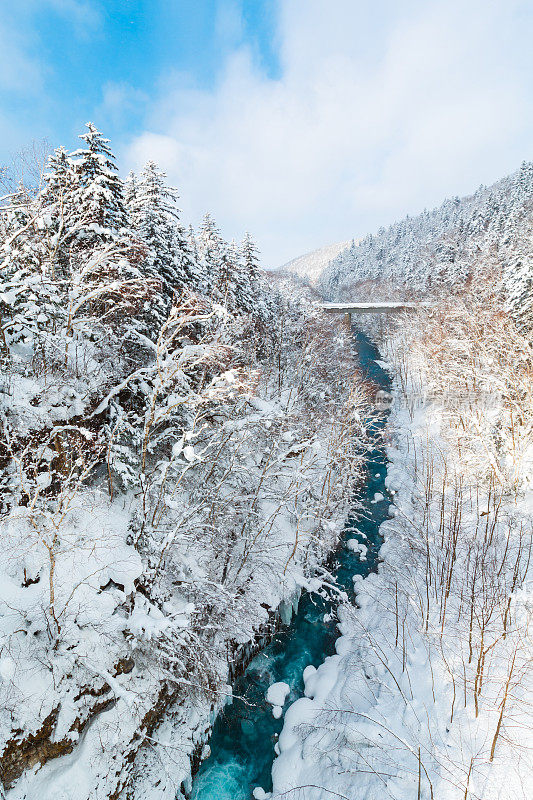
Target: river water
{"points": [[245, 732]]}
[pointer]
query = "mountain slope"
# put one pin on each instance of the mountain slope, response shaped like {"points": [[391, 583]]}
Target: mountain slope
{"points": [[311, 265], [485, 236]]}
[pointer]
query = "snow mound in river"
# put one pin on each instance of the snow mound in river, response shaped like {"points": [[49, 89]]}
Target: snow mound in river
{"points": [[277, 693]]}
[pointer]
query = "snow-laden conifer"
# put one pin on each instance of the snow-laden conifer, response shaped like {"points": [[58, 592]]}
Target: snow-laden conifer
{"points": [[97, 196], [210, 248], [156, 221]]}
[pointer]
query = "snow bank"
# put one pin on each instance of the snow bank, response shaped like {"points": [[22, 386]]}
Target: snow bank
{"points": [[277, 693], [399, 711]]}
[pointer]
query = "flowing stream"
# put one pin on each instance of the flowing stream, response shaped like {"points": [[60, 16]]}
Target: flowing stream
{"points": [[245, 731]]}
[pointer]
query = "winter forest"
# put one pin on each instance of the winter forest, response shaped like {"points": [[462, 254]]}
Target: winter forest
{"points": [[177, 452], [249, 550], [183, 435]]}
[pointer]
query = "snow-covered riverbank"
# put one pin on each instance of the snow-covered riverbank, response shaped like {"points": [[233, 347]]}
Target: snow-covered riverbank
{"points": [[243, 744], [427, 695]]}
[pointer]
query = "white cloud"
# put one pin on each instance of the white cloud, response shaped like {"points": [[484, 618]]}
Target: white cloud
{"points": [[379, 111], [24, 69], [83, 14], [20, 71], [120, 100]]}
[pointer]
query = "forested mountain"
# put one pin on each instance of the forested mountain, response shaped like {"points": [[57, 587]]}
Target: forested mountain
{"points": [[176, 455], [484, 237]]}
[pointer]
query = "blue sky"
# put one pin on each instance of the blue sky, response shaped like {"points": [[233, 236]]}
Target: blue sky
{"points": [[304, 121], [80, 55]]}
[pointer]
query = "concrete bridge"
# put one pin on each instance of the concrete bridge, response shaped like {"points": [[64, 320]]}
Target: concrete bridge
{"points": [[347, 309], [369, 308]]}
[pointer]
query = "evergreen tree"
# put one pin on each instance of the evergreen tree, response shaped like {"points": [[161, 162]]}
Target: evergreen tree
{"points": [[59, 177], [230, 278], [168, 261], [131, 191], [525, 181], [161, 228], [97, 197], [192, 243], [518, 284], [59, 208], [106, 285], [250, 255], [31, 299], [210, 249], [253, 290]]}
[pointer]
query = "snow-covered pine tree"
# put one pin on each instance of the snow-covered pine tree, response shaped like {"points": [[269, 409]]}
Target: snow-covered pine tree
{"points": [[210, 248], [192, 243], [250, 256], [156, 221], [518, 284], [146, 229], [58, 178], [58, 209], [251, 291], [229, 277], [98, 194], [525, 182], [105, 283], [130, 193], [238, 284], [27, 267]]}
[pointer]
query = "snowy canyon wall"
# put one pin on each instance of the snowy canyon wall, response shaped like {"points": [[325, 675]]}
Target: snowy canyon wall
{"points": [[428, 695], [178, 441]]}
